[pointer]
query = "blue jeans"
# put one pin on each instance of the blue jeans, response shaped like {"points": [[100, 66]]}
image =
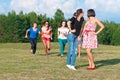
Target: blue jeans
{"points": [[72, 49], [33, 42]]}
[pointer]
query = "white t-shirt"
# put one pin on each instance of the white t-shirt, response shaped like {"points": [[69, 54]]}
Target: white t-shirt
{"points": [[63, 32]]}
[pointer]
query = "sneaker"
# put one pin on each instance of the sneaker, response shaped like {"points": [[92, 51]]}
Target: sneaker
{"points": [[68, 66], [72, 67], [61, 55], [31, 50]]}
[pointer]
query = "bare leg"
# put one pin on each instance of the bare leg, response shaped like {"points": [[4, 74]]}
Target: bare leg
{"points": [[90, 58], [48, 45], [45, 47], [79, 50]]}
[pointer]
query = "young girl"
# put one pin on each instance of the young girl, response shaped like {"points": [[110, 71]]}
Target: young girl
{"points": [[62, 36], [90, 36], [46, 36], [74, 25]]}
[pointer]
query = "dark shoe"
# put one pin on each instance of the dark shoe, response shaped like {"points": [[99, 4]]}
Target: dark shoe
{"points": [[33, 53]]}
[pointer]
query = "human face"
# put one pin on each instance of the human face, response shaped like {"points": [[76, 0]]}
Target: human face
{"points": [[35, 25], [63, 24], [82, 13], [46, 23]]}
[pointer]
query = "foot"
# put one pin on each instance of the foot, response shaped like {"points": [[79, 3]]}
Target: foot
{"points": [[61, 55], [90, 68], [69, 66], [31, 50]]}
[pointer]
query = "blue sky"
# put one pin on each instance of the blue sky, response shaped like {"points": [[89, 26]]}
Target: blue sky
{"points": [[105, 9]]}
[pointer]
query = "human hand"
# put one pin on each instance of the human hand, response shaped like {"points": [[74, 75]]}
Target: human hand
{"points": [[26, 36], [50, 28], [74, 30], [65, 33], [93, 33], [79, 38]]}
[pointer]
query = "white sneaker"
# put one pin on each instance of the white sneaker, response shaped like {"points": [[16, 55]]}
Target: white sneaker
{"points": [[72, 67], [61, 55], [68, 66], [31, 50]]}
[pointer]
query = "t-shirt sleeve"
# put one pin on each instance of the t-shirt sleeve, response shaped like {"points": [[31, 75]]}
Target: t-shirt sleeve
{"points": [[82, 18], [72, 19], [30, 29]]}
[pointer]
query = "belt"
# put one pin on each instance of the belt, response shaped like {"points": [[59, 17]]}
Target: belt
{"points": [[87, 31]]}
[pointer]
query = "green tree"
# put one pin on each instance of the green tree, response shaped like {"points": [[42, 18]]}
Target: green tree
{"points": [[3, 27], [32, 17], [11, 31], [58, 17], [116, 36]]}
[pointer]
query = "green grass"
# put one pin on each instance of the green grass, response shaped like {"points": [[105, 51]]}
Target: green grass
{"points": [[17, 63]]}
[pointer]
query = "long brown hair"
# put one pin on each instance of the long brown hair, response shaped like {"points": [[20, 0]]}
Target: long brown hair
{"points": [[78, 12]]}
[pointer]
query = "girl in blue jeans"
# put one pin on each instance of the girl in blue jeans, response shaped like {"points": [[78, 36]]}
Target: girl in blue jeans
{"points": [[74, 25], [34, 31]]}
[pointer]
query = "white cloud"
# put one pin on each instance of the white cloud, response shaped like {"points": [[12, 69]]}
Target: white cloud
{"points": [[48, 7], [90, 4], [25, 5], [104, 5], [105, 9], [113, 6]]}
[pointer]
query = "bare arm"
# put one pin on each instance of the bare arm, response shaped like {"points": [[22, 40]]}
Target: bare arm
{"points": [[26, 35], [101, 26], [69, 25], [82, 30]]}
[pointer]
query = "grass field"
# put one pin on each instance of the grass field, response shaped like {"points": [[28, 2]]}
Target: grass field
{"points": [[17, 63]]}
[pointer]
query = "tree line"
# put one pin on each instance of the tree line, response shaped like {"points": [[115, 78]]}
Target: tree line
{"points": [[13, 27]]}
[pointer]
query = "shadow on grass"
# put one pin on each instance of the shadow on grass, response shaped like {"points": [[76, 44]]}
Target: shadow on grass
{"points": [[57, 53], [103, 63], [107, 62]]}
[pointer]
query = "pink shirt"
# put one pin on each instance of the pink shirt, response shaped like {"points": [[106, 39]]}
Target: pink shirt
{"points": [[46, 32]]}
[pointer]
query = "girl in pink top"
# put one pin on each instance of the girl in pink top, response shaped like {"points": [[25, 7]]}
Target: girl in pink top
{"points": [[46, 36], [90, 36]]}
